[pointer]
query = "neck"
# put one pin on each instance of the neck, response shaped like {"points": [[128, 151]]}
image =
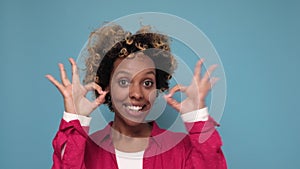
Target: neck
{"points": [[131, 129], [129, 136]]}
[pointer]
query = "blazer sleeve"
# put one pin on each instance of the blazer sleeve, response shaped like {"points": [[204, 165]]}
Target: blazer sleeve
{"points": [[69, 145], [203, 146]]}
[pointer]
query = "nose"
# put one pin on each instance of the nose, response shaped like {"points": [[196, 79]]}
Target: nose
{"points": [[135, 92]]}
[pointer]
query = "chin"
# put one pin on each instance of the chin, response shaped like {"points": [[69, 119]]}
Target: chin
{"points": [[134, 122]]}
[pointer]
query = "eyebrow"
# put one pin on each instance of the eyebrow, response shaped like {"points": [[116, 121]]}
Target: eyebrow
{"points": [[127, 73]]}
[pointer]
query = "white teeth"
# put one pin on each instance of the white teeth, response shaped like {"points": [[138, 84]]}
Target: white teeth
{"points": [[134, 108]]}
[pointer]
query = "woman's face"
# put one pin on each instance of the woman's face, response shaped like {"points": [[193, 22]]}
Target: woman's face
{"points": [[133, 88]]}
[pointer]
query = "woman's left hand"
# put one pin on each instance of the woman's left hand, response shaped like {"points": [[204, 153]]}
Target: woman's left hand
{"points": [[195, 93]]}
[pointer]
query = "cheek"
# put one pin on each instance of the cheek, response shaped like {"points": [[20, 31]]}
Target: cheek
{"points": [[151, 95], [118, 93]]}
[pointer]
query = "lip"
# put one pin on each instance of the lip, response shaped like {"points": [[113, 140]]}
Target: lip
{"points": [[134, 113]]}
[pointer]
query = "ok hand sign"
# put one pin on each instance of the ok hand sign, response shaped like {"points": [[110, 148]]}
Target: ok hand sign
{"points": [[195, 93], [74, 93]]}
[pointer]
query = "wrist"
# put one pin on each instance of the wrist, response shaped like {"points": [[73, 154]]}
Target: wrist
{"points": [[84, 120], [201, 104], [192, 107], [69, 106]]}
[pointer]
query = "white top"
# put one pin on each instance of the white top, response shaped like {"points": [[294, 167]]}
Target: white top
{"points": [[135, 160], [129, 160]]}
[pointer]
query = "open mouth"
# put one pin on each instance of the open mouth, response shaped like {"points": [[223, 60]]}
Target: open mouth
{"points": [[135, 110], [134, 107]]}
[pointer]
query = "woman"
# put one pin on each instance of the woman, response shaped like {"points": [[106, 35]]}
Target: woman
{"points": [[127, 72]]}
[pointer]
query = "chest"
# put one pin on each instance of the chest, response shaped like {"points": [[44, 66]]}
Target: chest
{"points": [[103, 159]]}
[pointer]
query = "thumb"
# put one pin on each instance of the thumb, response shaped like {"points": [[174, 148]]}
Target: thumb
{"points": [[172, 102], [100, 99]]}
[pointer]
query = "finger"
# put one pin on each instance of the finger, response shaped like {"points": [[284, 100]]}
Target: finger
{"points": [[99, 100], [75, 75], [63, 75], [173, 103], [175, 89], [209, 72], [213, 81], [58, 85], [94, 86], [198, 67]]}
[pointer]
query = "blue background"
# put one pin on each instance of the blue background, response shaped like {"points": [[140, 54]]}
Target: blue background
{"points": [[258, 43]]}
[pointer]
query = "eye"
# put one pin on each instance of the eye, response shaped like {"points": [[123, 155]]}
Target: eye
{"points": [[148, 83], [123, 82]]}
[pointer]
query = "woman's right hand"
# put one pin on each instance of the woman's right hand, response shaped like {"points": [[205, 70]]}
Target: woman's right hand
{"points": [[74, 93]]}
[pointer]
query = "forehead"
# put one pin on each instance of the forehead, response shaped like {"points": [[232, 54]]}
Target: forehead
{"points": [[134, 64]]}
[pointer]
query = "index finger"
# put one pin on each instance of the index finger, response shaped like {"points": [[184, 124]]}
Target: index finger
{"points": [[175, 89]]}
